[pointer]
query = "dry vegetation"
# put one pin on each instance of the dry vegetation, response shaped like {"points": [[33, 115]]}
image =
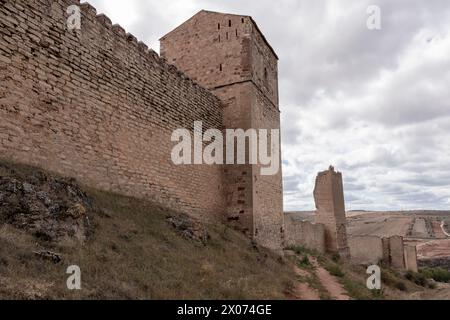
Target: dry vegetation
{"points": [[133, 252]]}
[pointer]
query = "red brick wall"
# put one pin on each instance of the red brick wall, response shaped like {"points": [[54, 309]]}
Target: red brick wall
{"points": [[97, 105]]}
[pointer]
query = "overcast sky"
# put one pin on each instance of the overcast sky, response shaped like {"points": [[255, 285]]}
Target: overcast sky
{"points": [[374, 103]]}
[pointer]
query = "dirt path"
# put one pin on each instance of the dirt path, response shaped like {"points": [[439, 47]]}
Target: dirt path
{"points": [[443, 229], [303, 291], [330, 283]]}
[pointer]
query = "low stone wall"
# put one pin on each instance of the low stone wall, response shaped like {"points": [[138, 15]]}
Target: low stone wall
{"points": [[366, 250], [305, 234]]}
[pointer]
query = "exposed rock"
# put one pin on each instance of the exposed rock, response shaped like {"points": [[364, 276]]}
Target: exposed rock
{"points": [[48, 255], [189, 228], [50, 208]]}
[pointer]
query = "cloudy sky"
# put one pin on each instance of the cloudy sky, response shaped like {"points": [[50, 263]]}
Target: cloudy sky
{"points": [[374, 103]]}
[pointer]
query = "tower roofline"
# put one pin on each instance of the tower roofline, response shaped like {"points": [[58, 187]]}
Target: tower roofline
{"points": [[228, 14]]}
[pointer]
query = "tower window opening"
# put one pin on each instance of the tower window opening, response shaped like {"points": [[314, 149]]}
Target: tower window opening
{"points": [[229, 23], [218, 26], [265, 74], [220, 68], [242, 20], [236, 33], [219, 37]]}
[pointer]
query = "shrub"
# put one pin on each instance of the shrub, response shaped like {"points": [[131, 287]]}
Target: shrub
{"points": [[336, 257], [335, 270], [304, 262], [437, 274], [401, 286], [417, 278], [301, 250], [388, 277]]}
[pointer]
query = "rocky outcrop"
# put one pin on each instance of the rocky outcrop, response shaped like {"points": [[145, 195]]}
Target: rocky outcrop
{"points": [[52, 209], [189, 228]]}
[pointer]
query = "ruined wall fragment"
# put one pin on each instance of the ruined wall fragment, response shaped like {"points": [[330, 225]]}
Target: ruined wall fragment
{"points": [[411, 258], [305, 234], [329, 199], [366, 250]]}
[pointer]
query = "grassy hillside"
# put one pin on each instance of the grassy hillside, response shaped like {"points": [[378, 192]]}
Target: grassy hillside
{"points": [[133, 251]]}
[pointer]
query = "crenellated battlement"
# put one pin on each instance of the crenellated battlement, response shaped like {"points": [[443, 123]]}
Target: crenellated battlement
{"points": [[99, 105], [90, 12]]}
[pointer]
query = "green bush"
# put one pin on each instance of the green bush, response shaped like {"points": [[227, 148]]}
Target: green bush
{"points": [[417, 278], [335, 270], [388, 277], [304, 262], [401, 286], [302, 250], [437, 274], [336, 258]]}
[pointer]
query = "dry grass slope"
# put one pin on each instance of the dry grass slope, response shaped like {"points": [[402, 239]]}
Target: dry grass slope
{"points": [[134, 253]]}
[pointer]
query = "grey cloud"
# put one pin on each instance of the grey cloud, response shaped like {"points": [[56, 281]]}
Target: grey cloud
{"points": [[373, 103]]}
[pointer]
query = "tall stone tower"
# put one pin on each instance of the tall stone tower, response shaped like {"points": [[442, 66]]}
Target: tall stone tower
{"points": [[229, 55], [330, 204]]}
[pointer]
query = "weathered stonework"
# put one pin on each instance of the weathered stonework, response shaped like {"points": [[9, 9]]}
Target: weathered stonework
{"points": [[329, 199], [394, 252], [98, 105], [229, 55], [305, 234], [366, 250], [411, 258]]}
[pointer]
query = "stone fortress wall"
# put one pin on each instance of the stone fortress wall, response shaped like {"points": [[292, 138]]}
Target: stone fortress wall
{"points": [[329, 234], [97, 105], [329, 199], [228, 54], [392, 251]]}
